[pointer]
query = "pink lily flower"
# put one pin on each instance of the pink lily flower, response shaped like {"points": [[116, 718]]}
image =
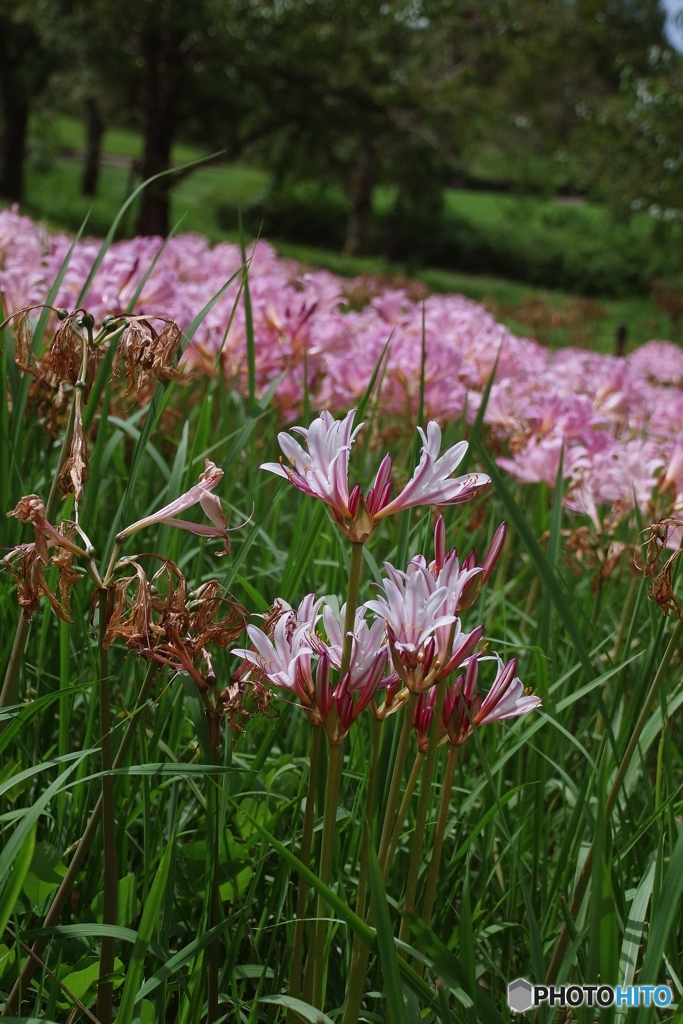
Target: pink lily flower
{"points": [[425, 635], [285, 660], [431, 483], [367, 644], [464, 708], [322, 471], [348, 698], [200, 494]]}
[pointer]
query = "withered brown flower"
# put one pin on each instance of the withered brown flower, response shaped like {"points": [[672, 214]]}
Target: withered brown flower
{"points": [[26, 566], [657, 567], [148, 354], [158, 619]]}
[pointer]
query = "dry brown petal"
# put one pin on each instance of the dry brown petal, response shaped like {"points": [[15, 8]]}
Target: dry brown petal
{"points": [[28, 509], [130, 612], [64, 356], [31, 583], [75, 469], [149, 354], [23, 355]]}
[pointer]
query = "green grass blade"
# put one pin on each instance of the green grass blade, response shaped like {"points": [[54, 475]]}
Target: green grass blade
{"points": [[664, 916], [122, 212], [16, 879], [544, 570], [367, 394], [633, 931], [54, 289], [145, 932], [14, 844], [186, 954], [393, 991], [248, 325], [451, 970], [148, 273], [156, 407], [304, 1010], [357, 925]]}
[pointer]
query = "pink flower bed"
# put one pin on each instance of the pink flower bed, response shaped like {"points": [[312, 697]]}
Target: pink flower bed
{"points": [[620, 419]]}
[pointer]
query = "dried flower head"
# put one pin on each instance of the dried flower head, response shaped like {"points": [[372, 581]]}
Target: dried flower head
{"points": [[149, 354], [664, 535]]}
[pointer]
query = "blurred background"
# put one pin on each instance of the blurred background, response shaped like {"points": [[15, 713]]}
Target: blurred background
{"points": [[527, 153]]}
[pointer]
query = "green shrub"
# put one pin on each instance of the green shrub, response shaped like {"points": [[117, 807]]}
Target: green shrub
{"points": [[544, 243]]}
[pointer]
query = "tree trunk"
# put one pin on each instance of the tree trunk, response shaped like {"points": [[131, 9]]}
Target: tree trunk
{"points": [[94, 130], [15, 117], [360, 193], [161, 52]]}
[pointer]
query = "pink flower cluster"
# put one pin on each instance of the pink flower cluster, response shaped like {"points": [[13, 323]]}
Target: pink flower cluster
{"points": [[617, 421]]}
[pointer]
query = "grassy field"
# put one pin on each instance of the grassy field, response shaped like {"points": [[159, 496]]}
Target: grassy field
{"points": [[184, 904]]}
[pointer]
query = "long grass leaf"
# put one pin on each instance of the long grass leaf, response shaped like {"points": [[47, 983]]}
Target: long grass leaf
{"points": [[21, 867], [393, 991], [109, 238], [145, 931]]}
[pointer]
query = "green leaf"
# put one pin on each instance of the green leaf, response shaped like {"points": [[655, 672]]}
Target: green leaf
{"points": [[367, 934], [452, 972], [664, 916], [19, 871], [633, 932], [46, 872], [187, 953], [148, 922], [127, 904], [385, 942], [304, 1010]]}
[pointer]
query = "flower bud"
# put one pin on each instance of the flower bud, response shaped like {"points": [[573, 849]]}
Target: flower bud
{"points": [[440, 543], [354, 498], [493, 553]]}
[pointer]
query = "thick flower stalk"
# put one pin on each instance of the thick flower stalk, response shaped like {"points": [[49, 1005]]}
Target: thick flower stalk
{"points": [[321, 469]]}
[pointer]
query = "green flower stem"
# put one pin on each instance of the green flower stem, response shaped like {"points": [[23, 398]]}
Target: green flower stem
{"points": [[631, 594], [359, 963], [437, 847], [402, 813], [305, 858], [105, 990], [422, 809], [351, 605], [332, 788], [80, 852], [334, 775], [213, 951], [397, 777], [359, 952], [582, 883]]}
